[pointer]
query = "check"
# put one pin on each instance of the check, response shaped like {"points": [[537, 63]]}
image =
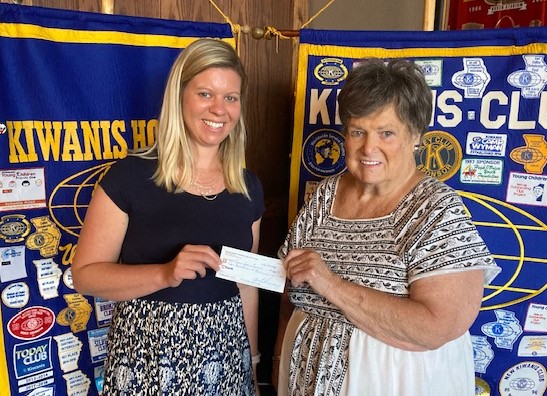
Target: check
{"points": [[252, 269]]}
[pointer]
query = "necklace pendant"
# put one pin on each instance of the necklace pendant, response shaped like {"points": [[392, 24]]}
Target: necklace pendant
{"points": [[207, 192], [210, 197]]}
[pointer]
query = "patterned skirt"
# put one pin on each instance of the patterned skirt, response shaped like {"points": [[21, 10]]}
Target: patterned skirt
{"points": [[157, 348]]}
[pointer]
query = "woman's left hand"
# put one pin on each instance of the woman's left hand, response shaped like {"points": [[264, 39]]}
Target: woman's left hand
{"points": [[307, 267]]}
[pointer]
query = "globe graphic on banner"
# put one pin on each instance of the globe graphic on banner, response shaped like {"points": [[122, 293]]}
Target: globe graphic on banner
{"points": [[69, 200], [514, 236], [516, 240]]}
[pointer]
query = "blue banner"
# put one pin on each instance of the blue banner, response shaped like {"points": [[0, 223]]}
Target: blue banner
{"points": [[77, 91], [487, 139]]}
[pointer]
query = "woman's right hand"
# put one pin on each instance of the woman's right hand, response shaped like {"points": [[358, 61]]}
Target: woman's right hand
{"points": [[190, 262]]}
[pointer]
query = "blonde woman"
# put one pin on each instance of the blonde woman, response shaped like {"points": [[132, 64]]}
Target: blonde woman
{"points": [[152, 237]]}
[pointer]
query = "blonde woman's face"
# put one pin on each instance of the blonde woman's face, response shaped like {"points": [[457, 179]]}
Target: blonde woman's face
{"points": [[211, 105]]}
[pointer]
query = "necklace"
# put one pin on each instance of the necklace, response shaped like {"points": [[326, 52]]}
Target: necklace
{"points": [[205, 191]]}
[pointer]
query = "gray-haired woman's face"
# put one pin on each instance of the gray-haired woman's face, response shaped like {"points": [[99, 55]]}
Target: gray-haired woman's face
{"points": [[380, 148]]}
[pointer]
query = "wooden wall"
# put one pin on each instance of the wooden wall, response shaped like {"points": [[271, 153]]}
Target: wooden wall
{"points": [[270, 69]]}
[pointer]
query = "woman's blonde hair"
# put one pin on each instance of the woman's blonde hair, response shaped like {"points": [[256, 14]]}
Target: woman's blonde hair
{"points": [[172, 145]]}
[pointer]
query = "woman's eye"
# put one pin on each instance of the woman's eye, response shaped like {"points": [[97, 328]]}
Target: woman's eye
{"points": [[387, 133], [356, 133], [231, 98], [204, 94]]}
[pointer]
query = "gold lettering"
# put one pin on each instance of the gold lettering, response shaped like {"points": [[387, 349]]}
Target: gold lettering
{"points": [[16, 149], [68, 254], [28, 126], [143, 133], [49, 138], [107, 144], [433, 157], [92, 141], [117, 128], [139, 138], [67, 141], [71, 143], [151, 128]]}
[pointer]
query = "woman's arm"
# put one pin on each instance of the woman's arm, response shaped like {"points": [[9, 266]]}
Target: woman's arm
{"points": [[440, 308], [97, 272]]}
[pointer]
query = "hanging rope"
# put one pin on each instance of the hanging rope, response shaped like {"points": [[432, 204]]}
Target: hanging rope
{"points": [[236, 28], [317, 13], [270, 32], [267, 32]]}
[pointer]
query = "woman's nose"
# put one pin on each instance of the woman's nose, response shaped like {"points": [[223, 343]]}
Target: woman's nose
{"points": [[217, 106], [367, 144]]}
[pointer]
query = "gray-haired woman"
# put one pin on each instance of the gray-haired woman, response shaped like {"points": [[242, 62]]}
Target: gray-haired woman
{"points": [[386, 269]]}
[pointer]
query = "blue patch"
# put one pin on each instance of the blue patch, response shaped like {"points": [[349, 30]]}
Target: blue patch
{"points": [[324, 153]]}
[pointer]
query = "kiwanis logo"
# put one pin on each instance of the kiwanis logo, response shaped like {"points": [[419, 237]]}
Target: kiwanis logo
{"points": [[14, 228], [331, 71], [524, 378], [324, 153], [533, 155], [440, 155]]}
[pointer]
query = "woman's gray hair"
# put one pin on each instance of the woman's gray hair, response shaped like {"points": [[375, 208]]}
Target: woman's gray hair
{"points": [[375, 84]]}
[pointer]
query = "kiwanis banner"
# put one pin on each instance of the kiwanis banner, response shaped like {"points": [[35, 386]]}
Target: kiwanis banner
{"points": [[78, 90], [487, 140]]}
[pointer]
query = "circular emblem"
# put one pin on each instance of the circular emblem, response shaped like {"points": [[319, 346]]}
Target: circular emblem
{"points": [[440, 155], [16, 295], [324, 154], [67, 278], [494, 330], [524, 78], [39, 240], [526, 155], [469, 79], [330, 71], [66, 316], [524, 378], [481, 387], [31, 323], [14, 228], [429, 69]]}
